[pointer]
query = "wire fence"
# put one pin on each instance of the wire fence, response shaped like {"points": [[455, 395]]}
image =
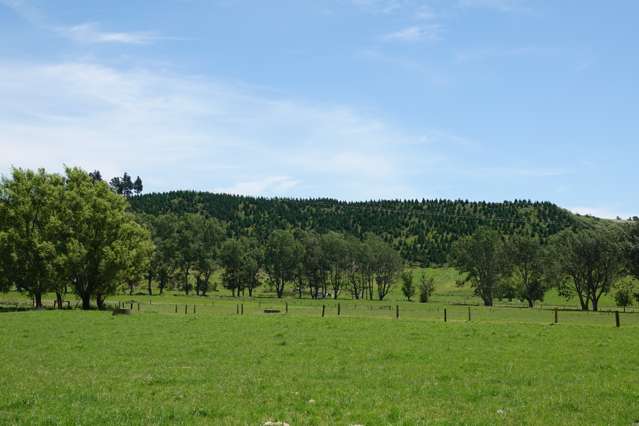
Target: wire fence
{"points": [[389, 311], [357, 309]]}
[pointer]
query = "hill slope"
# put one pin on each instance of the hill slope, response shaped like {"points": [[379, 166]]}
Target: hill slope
{"points": [[422, 230]]}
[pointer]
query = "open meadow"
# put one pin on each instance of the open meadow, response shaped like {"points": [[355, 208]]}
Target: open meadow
{"points": [[75, 367], [217, 360]]}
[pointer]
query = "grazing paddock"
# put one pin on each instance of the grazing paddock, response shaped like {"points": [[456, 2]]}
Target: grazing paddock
{"points": [[218, 367]]}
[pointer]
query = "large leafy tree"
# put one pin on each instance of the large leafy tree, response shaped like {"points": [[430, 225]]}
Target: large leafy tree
{"points": [[311, 269], [633, 250], [531, 273], [31, 226], [210, 236], [590, 261], [163, 263], [387, 264], [186, 257], [100, 237], [335, 252], [282, 256], [241, 259], [355, 268], [480, 257]]}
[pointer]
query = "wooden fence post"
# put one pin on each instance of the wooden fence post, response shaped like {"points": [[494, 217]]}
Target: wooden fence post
{"points": [[445, 315], [242, 308], [339, 309], [556, 316], [397, 311], [323, 310], [176, 308], [131, 308], [469, 313], [237, 309], [617, 323], [194, 308], [186, 309], [138, 307]]}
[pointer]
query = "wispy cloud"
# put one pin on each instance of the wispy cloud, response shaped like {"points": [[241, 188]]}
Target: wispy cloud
{"points": [[415, 33], [87, 32], [499, 5], [90, 32], [379, 6], [200, 133]]}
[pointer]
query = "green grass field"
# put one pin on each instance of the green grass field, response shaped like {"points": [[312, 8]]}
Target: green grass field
{"points": [[73, 367], [507, 365]]}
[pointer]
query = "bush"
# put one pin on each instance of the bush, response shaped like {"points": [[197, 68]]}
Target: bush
{"points": [[426, 288]]}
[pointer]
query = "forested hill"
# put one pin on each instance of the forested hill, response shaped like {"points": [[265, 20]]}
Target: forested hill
{"points": [[423, 230]]}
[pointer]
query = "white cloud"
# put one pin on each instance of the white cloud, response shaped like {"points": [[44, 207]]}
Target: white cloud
{"points": [[426, 13], [193, 133], [415, 33], [90, 32], [379, 6], [499, 5]]}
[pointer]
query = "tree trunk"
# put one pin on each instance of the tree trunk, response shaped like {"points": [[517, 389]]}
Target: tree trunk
{"points": [[488, 300], [58, 298], [37, 297], [150, 284], [279, 289], [99, 299], [531, 303], [595, 304], [86, 301]]}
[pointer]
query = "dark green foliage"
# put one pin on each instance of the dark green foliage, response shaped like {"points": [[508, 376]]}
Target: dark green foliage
{"points": [[123, 185], [481, 257], [625, 291], [282, 257], [31, 232], [241, 259], [531, 272], [408, 285], [633, 250], [96, 175], [103, 242], [423, 231], [426, 288], [197, 242], [137, 186], [590, 261]]}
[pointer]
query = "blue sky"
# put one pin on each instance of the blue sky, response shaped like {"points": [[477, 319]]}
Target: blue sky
{"points": [[351, 99]]}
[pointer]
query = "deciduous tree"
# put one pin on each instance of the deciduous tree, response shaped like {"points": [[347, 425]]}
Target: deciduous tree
{"points": [[590, 261], [31, 232], [480, 257]]}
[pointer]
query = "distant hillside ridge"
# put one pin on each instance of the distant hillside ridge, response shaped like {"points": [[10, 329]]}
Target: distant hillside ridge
{"points": [[423, 231]]}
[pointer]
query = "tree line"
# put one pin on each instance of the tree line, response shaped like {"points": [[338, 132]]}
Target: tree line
{"points": [[585, 263], [423, 231], [75, 231], [190, 247]]}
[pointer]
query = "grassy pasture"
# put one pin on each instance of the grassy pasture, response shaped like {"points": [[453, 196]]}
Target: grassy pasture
{"points": [[73, 367]]}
